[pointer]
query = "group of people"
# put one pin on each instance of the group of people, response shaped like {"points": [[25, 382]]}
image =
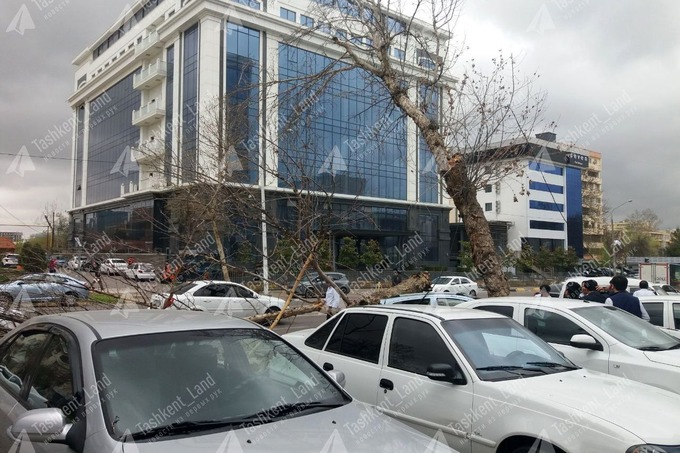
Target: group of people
{"points": [[615, 295]]}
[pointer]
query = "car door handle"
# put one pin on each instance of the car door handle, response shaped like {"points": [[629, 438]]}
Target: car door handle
{"points": [[386, 384], [327, 366]]}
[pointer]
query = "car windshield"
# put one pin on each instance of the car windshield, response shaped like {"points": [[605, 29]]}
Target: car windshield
{"points": [[501, 349], [173, 383], [628, 329], [146, 267], [441, 280], [183, 288], [117, 261]]}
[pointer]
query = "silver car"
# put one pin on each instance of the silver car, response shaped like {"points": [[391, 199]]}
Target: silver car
{"points": [[38, 288], [151, 381]]}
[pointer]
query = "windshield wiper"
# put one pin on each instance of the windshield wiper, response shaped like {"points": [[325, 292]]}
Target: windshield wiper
{"points": [[186, 427], [553, 365], [289, 408], [509, 369]]}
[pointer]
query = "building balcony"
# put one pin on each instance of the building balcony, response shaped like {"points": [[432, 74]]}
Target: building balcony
{"points": [[150, 113], [149, 153], [149, 45], [150, 76]]}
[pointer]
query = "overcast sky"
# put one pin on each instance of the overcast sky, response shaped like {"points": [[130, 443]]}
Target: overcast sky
{"points": [[612, 65]]}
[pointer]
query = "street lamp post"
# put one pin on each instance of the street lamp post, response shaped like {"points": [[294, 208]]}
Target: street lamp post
{"points": [[615, 242]]}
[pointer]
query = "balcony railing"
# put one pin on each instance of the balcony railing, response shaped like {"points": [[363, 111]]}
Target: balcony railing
{"points": [[149, 45], [150, 113], [148, 153], [150, 76]]}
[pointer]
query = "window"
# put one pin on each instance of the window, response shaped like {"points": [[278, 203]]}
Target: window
{"points": [[413, 301], [16, 360], [655, 310], [318, 339], [359, 336], [488, 207], [306, 21], [448, 301], [400, 54], [488, 188], [545, 187], [53, 382], [288, 14], [415, 345], [551, 327], [546, 205], [542, 225], [504, 310], [676, 315]]}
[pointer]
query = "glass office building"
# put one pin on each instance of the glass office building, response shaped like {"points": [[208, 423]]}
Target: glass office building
{"points": [[148, 87]]}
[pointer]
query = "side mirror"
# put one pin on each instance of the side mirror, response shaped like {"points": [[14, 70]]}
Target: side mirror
{"points": [[445, 373], [338, 376], [40, 425], [584, 341]]}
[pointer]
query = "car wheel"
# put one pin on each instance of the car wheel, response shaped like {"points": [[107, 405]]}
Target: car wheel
{"points": [[473, 293], [270, 310], [69, 300], [309, 292], [345, 289]]}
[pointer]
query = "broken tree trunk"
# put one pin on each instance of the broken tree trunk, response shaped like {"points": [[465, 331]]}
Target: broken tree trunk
{"points": [[415, 284]]}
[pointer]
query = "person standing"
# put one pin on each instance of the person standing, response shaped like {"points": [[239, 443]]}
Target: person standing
{"points": [[591, 293], [396, 277], [332, 303], [644, 290], [624, 300]]}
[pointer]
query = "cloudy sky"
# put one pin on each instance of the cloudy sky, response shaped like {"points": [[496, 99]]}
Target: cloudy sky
{"points": [[610, 68]]}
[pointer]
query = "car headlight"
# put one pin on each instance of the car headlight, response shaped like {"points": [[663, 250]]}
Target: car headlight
{"points": [[654, 449]]}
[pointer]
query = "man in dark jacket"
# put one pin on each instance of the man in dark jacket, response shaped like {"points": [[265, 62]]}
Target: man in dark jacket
{"points": [[591, 293], [624, 300]]}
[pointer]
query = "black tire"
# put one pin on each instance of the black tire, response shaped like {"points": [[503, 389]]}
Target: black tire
{"points": [[309, 292], [69, 300], [345, 289], [473, 293], [269, 322]]}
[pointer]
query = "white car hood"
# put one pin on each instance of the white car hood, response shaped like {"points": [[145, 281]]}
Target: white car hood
{"points": [[671, 357], [586, 397], [354, 427]]}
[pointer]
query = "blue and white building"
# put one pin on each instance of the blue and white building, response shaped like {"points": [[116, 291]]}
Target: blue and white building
{"points": [[541, 203], [144, 84]]}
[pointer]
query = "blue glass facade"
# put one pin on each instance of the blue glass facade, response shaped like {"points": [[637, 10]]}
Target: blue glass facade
{"points": [[546, 206], [575, 210], [342, 137], [190, 103], [428, 178], [543, 225], [242, 93], [111, 136], [129, 227], [545, 187], [80, 153], [169, 111]]}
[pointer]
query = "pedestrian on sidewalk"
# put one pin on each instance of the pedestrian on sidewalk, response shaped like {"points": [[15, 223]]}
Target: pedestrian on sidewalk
{"points": [[332, 302]]}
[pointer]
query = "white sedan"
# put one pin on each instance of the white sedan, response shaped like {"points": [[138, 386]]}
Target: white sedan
{"points": [[486, 383], [596, 336], [113, 266], [454, 284], [218, 297], [140, 271]]}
